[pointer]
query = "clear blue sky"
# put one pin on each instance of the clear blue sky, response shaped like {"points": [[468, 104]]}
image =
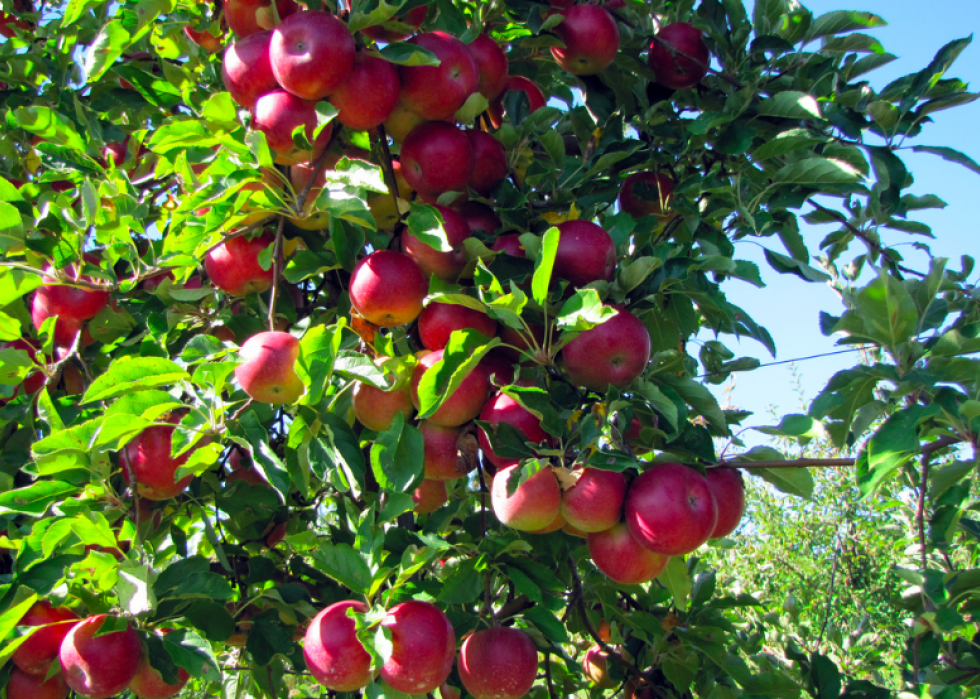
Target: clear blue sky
{"points": [[789, 307]]}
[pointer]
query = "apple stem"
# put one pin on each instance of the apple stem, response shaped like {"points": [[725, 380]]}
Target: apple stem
{"points": [[276, 273]]}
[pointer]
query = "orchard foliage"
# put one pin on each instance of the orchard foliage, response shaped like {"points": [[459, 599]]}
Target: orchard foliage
{"points": [[158, 212]]}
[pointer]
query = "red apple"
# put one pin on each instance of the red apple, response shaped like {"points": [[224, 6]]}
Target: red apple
{"points": [[69, 302], [591, 39], [247, 70], [673, 70], [436, 92], [437, 157], [149, 683], [334, 656], [369, 95], [534, 505], [206, 40], [491, 64], [645, 193], [312, 54], [516, 83], [268, 369], [7, 24], [85, 656], [429, 496], [65, 329], [376, 408], [115, 152], [246, 17], [444, 265], [728, 490], [586, 252], [277, 114], [439, 320], [498, 663], [234, 266], [441, 457], [612, 353], [146, 460], [461, 406], [22, 685], [504, 409], [509, 244], [621, 557], [479, 217], [670, 509], [490, 162], [423, 644], [387, 288], [35, 655], [557, 523], [413, 18], [595, 502]]}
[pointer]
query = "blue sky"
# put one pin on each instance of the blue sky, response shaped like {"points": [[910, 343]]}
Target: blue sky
{"points": [[789, 307]]}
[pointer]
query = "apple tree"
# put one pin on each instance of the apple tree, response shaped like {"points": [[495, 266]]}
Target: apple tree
{"points": [[365, 348]]}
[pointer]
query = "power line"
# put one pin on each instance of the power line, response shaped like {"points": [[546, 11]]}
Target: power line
{"points": [[791, 361]]}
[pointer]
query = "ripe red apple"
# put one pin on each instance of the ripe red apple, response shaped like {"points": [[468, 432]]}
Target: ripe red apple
{"points": [[7, 24], [22, 685], [312, 54], [499, 368], [369, 95], [557, 523], [35, 655], [423, 644], [461, 406], [479, 217], [436, 92], [334, 656], [387, 288], [504, 409], [413, 18], [612, 353], [490, 162], [149, 683], [65, 329], [268, 369], [673, 70], [438, 321], [586, 252], [69, 302], [534, 505], [440, 452], [437, 157], [115, 152], [444, 265], [246, 17], [429, 496], [146, 460], [241, 468], [234, 265], [595, 502], [670, 509], [621, 557], [492, 66], [247, 70], [728, 490], [376, 408], [84, 658], [498, 663], [206, 40], [591, 39], [277, 114], [509, 244], [516, 83], [644, 193]]}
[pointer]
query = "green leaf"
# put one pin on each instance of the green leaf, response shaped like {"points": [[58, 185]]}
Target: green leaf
{"points": [[791, 105], [193, 653], [129, 374], [48, 124], [950, 154], [36, 498], [465, 350], [11, 229], [135, 589], [887, 309], [345, 565], [787, 142], [796, 426], [405, 54], [397, 456], [264, 458], [191, 578], [891, 447], [793, 481], [425, 223], [817, 171], [547, 623], [842, 21], [787, 265], [676, 578], [544, 265], [105, 49], [583, 311]]}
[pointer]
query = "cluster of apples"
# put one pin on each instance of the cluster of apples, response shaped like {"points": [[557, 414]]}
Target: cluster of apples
{"points": [[494, 663], [93, 665]]}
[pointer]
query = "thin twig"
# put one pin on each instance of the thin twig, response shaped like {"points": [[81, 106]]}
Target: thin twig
{"points": [[390, 168], [276, 273], [830, 591], [547, 675]]}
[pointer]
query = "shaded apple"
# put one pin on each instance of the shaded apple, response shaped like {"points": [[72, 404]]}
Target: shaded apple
{"points": [[35, 655], [448, 265], [245, 17], [146, 461], [376, 408], [334, 656], [149, 683], [387, 288], [464, 403], [205, 39], [84, 658], [499, 368], [557, 523], [439, 320], [23, 685], [673, 70], [586, 252], [498, 663], [369, 95], [535, 503], [596, 667], [504, 409], [621, 557], [595, 502], [490, 160], [437, 157], [670, 509], [401, 122], [479, 217], [312, 53], [613, 353], [646, 193], [436, 92], [441, 456], [268, 369], [233, 266], [246, 69], [33, 382], [509, 244], [591, 39], [423, 645], [429, 496], [241, 468], [516, 83], [728, 490]]}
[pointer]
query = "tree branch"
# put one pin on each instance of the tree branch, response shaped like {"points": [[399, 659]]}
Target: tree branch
{"points": [[276, 273]]}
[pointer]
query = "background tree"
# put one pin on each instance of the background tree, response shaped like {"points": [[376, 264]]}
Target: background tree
{"points": [[348, 359]]}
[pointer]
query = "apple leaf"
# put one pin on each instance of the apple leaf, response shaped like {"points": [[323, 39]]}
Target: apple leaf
{"points": [[131, 374], [405, 54], [842, 21], [135, 589], [465, 350], [35, 498], [425, 223], [583, 311], [791, 105], [397, 456], [676, 578], [545, 265], [192, 653], [345, 565]]}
